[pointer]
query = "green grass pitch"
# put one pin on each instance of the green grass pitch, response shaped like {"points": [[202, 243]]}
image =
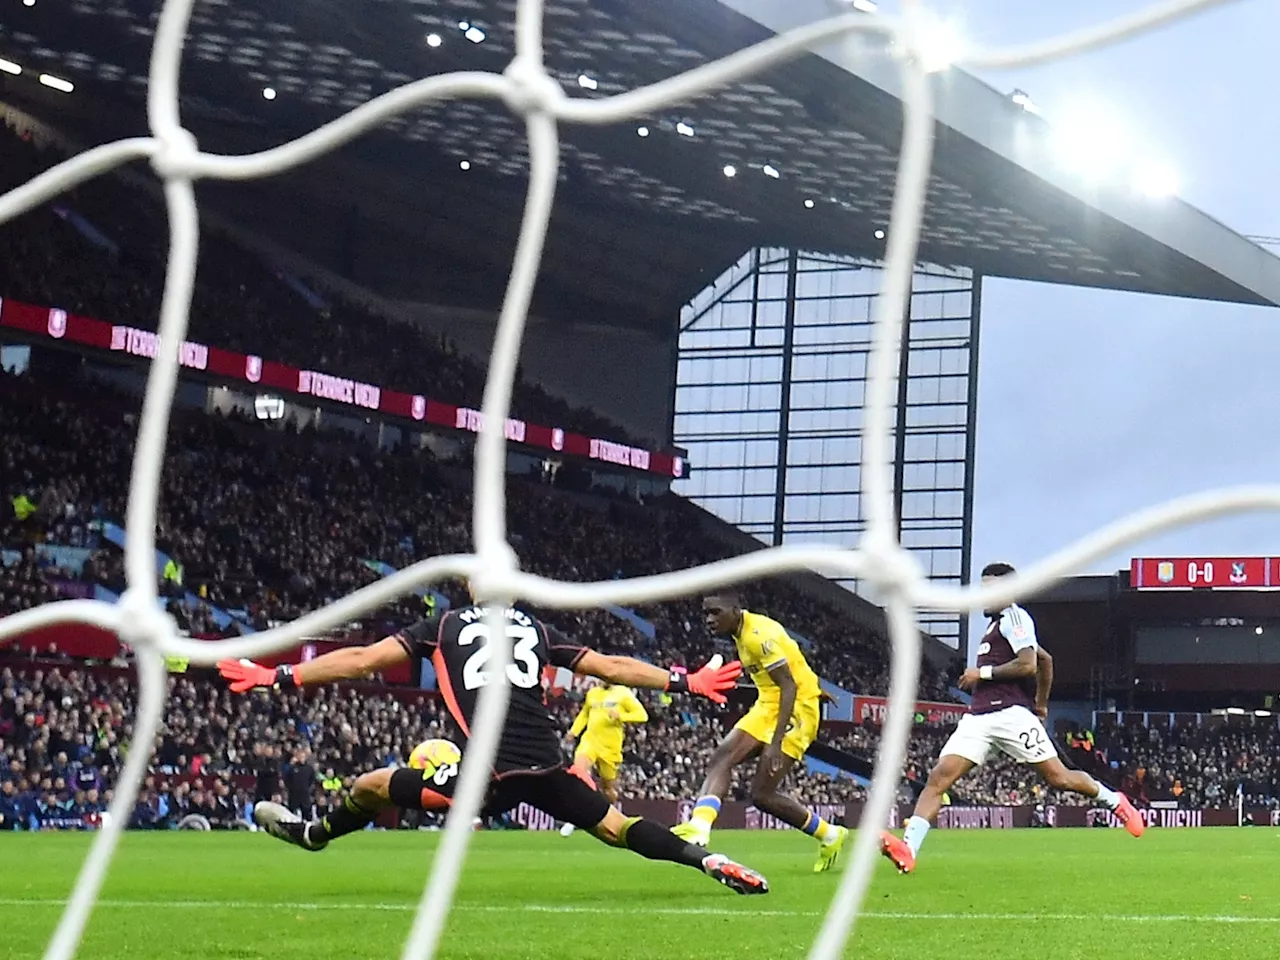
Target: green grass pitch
{"points": [[986, 895]]}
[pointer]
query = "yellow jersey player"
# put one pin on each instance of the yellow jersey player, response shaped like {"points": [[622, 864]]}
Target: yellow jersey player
{"points": [[599, 752], [778, 729]]}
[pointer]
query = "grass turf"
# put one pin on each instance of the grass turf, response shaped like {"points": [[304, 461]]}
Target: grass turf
{"points": [[987, 895]]}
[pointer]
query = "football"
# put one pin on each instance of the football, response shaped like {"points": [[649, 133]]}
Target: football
{"points": [[432, 756]]}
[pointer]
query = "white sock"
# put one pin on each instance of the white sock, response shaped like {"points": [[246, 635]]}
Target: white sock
{"points": [[1108, 798], [917, 828]]}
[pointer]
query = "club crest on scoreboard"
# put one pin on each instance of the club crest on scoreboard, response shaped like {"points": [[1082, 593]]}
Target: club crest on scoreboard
{"points": [[1164, 571]]}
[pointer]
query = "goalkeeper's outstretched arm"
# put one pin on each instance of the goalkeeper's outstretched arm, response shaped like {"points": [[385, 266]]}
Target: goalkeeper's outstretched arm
{"points": [[710, 682], [347, 663]]}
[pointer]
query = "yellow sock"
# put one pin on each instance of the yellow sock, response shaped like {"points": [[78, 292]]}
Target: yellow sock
{"points": [[705, 811], [819, 828]]}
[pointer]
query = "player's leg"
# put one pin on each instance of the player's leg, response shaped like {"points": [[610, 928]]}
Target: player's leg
{"points": [[1019, 734], [565, 797], [1058, 775], [965, 749], [734, 749], [767, 795], [369, 796], [607, 778], [584, 767], [372, 793]]}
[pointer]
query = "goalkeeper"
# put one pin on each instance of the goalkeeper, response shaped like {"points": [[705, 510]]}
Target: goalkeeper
{"points": [[528, 768]]}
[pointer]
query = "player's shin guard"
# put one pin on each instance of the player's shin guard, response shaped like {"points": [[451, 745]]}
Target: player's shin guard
{"points": [[656, 842], [347, 817]]}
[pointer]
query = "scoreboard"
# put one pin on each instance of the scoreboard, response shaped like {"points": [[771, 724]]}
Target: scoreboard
{"points": [[1201, 573]]}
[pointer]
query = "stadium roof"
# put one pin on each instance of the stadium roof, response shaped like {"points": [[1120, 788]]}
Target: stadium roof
{"points": [[642, 223]]}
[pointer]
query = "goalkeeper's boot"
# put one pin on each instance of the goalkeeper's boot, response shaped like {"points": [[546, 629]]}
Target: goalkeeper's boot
{"points": [[829, 852], [1130, 817], [691, 831], [733, 875], [896, 849], [283, 824]]}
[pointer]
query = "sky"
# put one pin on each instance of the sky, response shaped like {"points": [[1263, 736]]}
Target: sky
{"points": [[1095, 404]]}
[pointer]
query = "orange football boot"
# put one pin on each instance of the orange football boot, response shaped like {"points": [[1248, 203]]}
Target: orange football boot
{"points": [[896, 849], [1130, 817]]}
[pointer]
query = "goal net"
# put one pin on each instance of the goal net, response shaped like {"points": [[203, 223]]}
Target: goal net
{"points": [[526, 88]]}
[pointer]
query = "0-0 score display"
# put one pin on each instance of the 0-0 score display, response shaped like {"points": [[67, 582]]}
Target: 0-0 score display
{"points": [[1190, 573]]}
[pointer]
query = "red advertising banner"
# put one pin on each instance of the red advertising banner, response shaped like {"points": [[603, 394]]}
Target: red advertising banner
{"points": [[1204, 573], [875, 709], [57, 324]]}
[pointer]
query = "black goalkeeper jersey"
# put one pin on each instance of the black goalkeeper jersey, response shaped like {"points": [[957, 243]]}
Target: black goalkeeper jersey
{"points": [[457, 644]]}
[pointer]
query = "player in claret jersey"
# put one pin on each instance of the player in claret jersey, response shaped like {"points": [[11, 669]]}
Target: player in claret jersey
{"points": [[529, 767], [1010, 685]]}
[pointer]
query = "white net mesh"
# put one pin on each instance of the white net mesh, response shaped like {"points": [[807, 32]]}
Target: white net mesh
{"points": [[531, 92]]}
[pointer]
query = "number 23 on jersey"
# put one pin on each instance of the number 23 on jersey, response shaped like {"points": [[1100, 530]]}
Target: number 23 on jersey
{"points": [[523, 670]]}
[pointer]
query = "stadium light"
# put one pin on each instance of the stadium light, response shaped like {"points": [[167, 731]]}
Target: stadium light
{"points": [[1262, 713], [464, 25], [879, 234], [8, 66], [684, 129], [808, 204], [865, 6], [642, 131], [588, 83], [268, 93], [464, 165], [28, 3], [770, 171], [57, 83], [1258, 631], [730, 170], [1023, 99], [1091, 141], [475, 35], [434, 40], [1235, 711], [1157, 180], [939, 41]]}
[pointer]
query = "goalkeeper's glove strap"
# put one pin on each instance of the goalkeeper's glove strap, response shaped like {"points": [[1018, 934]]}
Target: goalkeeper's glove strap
{"points": [[285, 678], [677, 681]]}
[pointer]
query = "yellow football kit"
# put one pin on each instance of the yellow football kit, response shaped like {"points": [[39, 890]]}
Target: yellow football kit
{"points": [[603, 713], [762, 645]]}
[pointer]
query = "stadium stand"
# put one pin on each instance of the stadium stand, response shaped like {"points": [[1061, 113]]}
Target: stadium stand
{"points": [[83, 254], [275, 523]]}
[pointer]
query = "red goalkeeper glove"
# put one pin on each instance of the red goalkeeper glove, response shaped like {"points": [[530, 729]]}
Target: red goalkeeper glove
{"points": [[245, 675], [710, 682]]}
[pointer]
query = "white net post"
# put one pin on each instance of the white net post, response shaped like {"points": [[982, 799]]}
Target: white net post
{"points": [[531, 92]]}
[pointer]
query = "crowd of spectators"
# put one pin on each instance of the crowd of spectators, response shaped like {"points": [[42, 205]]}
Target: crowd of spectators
{"points": [[1196, 762], [66, 728], [277, 523], [240, 303]]}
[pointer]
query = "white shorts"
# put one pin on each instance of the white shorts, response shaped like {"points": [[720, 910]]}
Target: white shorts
{"points": [[1014, 731]]}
